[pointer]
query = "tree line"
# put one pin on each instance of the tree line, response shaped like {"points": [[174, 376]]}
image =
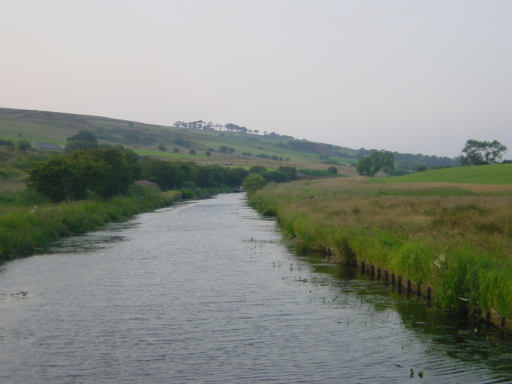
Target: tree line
{"points": [[85, 168]]}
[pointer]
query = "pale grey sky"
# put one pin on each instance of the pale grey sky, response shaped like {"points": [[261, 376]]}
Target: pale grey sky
{"points": [[412, 76]]}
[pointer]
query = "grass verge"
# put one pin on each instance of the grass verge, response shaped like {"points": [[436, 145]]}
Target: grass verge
{"points": [[457, 239]]}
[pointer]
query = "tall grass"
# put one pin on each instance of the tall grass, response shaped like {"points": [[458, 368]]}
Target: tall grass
{"points": [[26, 229], [457, 240]]}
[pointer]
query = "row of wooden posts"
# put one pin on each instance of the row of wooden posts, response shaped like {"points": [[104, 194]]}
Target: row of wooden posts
{"points": [[489, 316]]}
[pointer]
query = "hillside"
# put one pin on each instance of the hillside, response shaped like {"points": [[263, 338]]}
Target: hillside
{"points": [[210, 146], [480, 174]]}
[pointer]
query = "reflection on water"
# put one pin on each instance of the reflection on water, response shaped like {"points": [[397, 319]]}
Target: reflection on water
{"points": [[209, 292]]}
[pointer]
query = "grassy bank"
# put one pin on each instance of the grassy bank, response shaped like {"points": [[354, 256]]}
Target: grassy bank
{"points": [[456, 238], [25, 230]]}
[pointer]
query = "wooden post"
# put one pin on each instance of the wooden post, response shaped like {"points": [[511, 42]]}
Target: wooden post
{"points": [[378, 273], [362, 266], [408, 286], [429, 293], [386, 274], [393, 278]]}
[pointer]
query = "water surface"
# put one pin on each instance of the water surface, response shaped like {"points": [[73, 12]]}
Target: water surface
{"points": [[208, 292]]}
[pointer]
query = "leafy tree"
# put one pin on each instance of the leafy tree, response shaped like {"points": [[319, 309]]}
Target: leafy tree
{"points": [[84, 140], [370, 165], [291, 172], [254, 182], [482, 152], [226, 149], [258, 169], [104, 171], [23, 145], [333, 170]]}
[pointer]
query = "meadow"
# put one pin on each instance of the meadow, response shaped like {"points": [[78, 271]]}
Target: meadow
{"points": [[455, 237]]}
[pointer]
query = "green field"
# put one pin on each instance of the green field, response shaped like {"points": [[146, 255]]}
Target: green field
{"points": [[478, 174]]}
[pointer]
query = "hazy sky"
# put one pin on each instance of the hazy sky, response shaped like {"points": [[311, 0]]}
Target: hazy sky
{"points": [[412, 76]]}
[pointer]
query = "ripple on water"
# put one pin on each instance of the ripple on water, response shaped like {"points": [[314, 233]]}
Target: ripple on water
{"points": [[210, 292]]}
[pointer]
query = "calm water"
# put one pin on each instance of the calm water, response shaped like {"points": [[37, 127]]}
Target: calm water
{"points": [[208, 292]]}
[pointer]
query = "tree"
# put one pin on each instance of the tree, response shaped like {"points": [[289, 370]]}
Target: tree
{"points": [[254, 182], [370, 165], [333, 170], [84, 140], [104, 171], [23, 145], [482, 152]]}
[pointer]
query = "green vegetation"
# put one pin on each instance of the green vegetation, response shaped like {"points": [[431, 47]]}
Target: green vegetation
{"points": [[237, 147], [254, 182], [373, 163], [456, 239], [482, 152], [74, 192], [26, 229], [480, 174]]}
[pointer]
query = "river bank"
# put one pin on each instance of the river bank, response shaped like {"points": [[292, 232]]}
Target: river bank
{"points": [[455, 238], [28, 229], [208, 291]]}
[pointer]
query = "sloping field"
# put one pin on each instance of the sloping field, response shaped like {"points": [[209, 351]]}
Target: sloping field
{"points": [[479, 174]]}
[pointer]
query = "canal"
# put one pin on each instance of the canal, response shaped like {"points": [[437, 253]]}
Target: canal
{"points": [[209, 292]]}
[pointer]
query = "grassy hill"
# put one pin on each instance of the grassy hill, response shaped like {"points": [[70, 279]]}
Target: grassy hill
{"points": [[481, 174], [246, 150], [148, 139]]}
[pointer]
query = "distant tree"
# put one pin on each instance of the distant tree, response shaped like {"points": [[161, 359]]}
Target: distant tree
{"points": [[258, 169], [176, 150], [482, 152], [370, 165], [104, 171], [254, 182], [6, 143], [290, 171], [226, 149], [162, 147], [277, 176], [208, 153], [23, 145], [83, 140], [333, 170], [192, 151]]}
